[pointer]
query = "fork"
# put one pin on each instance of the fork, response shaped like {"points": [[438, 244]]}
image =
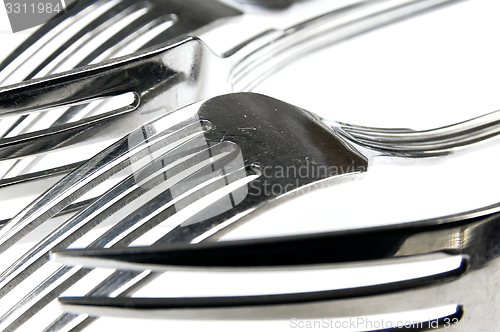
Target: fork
{"points": [[92, 31], [203, 170], [152, 24], [471, 286], [30, 304], [177, 82]]}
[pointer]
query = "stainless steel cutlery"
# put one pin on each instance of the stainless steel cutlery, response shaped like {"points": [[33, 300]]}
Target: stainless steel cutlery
{"points": [[194, 174]]}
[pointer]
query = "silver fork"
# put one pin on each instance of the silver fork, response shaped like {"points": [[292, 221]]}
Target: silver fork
{"points": [[199, 178], [121, 277], [89, 18], [92, 31], [471, 286], [208, 174], [178, 77], [20, 152]]}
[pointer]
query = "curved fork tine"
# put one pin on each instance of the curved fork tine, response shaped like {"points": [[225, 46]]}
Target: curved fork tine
{"points": [[106, 19], [108, 162], [291, 251], [472, 286], [164, 170], [80, 6]]}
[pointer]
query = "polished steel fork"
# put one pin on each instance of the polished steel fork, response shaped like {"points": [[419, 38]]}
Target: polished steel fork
{"points": [[181, 72], [471, 286], [199, 181], [210, 171], [90, 32]]}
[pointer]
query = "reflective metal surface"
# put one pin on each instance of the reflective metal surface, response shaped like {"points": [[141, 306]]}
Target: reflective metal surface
{"points": [[472, 286], [180, 72], [278, 149], [91, 32], [178, 181]]}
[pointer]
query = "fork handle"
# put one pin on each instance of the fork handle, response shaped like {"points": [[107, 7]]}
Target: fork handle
{"points": [[422, 143]]}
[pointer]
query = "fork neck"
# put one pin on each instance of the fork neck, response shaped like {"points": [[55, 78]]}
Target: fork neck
{"points": [[268, 52], [421, 143]]}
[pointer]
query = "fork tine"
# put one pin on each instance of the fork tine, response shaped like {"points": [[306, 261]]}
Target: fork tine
{"points": [[64, 135], [62, 276], [85, 320], [475, 241], [109, 17], [61, 90], [13, 125], [211, 13], [35, 42], [334, 304], [195, 304], [17, 185], [325, 248], [107, 163], [44, 29], [126, 35], [60, 322], [69, 209]]}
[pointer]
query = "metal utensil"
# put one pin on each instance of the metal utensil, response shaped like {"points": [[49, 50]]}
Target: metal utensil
{"points": [[29, 163], [177, 76], [222, 161], [91, 31], [471, 286], [30, 303]]}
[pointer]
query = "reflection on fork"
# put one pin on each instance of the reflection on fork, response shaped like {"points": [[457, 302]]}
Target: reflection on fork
{"points": [[120, 278], [180, 72], [168, 198]]}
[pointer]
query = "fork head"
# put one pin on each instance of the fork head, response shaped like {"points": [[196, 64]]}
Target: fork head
{"points": [[94, 30], [197, 170], [287, 147], [91, 31]]}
